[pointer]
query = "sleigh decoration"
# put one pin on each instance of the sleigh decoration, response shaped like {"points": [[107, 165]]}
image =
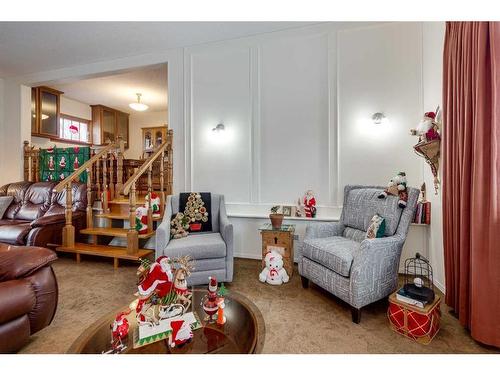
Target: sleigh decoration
{"points": [[164, 301], [429, 143]]}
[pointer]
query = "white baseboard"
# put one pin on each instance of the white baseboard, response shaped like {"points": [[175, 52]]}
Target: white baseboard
{"points": [[440, 286], [246, 256]]}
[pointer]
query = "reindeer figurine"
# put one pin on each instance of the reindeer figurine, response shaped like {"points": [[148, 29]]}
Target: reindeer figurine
{"points": [[183, 271]]}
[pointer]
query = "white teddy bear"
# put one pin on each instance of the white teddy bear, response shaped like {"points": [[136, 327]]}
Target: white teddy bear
{"points": [[274, 273]]}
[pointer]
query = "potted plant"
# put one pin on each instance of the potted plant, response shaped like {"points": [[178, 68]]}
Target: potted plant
{"points": [[276, 218]]}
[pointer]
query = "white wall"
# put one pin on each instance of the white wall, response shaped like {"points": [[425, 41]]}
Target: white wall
{"points": [[433, 41], [142, 120]]}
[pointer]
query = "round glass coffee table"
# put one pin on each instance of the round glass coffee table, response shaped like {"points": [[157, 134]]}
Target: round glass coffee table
{"points": [[244, 332]]}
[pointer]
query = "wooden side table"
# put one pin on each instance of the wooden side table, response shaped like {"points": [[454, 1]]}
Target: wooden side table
{"points": [[282, 237]]}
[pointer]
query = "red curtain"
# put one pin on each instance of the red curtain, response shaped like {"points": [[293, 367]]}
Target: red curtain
{"points": [[471, 176]]}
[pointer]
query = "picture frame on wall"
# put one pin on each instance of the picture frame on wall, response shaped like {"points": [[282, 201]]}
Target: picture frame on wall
{"points": [[287, 210]]}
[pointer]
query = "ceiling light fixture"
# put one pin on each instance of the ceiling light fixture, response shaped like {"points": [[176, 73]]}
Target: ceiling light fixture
{"points": [[138, 106]]}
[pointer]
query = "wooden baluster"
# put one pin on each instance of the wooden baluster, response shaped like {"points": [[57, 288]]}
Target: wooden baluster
{"points": [[36, 176], [27, 170], [90, 220], [119, 166], [98, 179], [162, 183], [111, 176], [132, 234], [68, 234], [150, 190], [170, 170], [105, 183]]}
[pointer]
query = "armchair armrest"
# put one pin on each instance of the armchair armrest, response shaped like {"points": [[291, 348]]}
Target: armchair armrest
{"points": [[163, 230], [20, 261], [374, 271], [322, 230]]}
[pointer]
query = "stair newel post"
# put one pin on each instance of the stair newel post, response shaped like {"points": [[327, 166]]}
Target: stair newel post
{"points": [[105, 183], [119, 166], [132, 234], [162, 183], [150, 190], [170, 168], [68, 233], [90, 220]]}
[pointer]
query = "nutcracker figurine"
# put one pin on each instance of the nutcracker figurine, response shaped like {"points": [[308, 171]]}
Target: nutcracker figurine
{"points": [[310, 204], [209, 302]]}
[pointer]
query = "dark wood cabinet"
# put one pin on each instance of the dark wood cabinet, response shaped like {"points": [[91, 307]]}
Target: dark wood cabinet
{"points": [[108, 124], [45, 112]]}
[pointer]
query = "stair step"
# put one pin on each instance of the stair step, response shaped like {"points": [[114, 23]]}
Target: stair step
{"points": [[112, 232], [138, 201], [120, 216], [104, 251]]}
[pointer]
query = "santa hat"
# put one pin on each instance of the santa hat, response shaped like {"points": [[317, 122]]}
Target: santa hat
{"points": [[212, 284], [176, 326], [431, 115]]}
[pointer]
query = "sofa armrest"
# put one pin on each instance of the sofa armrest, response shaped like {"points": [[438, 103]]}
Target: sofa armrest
{"points": [[55, 219], [323, 230], [162, 236], [21, 261]]}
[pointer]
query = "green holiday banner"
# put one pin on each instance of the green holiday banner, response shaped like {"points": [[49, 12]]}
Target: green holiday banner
{"points": [[58, 163]]}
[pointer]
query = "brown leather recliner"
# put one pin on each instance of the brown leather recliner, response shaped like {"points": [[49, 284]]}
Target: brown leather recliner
{"points": [[35, 216], [28, 294]]}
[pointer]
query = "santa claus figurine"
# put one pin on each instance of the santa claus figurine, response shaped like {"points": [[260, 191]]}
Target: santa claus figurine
{"points": [[310, 204], [181, 333], [159, 279], [141, 220], [210, 305], [119, 331]]}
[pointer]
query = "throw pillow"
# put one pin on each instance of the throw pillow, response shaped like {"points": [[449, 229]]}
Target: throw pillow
{"points": [[376, 228], [4, 204]]}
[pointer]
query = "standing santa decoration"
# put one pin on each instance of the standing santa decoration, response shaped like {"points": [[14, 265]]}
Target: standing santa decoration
{"points": [[310, 204]]}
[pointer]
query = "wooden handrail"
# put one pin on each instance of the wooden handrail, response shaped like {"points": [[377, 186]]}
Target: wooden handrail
{"points": [[144, 167], [88, 164]]}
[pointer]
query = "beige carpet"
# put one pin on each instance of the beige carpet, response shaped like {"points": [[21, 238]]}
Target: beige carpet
{"points": [[297, 320]]}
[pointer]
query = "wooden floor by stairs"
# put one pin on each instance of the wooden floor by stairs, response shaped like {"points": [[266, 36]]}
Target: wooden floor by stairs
{"points": [[118, 209]]}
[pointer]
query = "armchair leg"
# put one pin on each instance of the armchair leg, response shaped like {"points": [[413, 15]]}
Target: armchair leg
{"points": [[356, 315], [305, 282]]}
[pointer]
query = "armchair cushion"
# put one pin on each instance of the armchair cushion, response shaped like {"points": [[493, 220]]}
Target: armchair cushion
{"points": [[362, 203], [335, 253], [17, 262], [198, 246]]}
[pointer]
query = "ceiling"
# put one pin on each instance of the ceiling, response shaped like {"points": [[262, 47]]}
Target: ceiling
{"points": [[32, 47], [118, 90]]}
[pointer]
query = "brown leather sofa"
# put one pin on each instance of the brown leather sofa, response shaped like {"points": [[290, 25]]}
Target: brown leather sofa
{"points": [[35, 216], [28, 294]]}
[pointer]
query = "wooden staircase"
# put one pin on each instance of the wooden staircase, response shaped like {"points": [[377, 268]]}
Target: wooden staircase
{"points": [[119, 201]]}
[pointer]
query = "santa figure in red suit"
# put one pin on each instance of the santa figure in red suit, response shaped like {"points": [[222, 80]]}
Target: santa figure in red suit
{"points": [[310, 204], [159, 279], [181, 333], [120, 326]]}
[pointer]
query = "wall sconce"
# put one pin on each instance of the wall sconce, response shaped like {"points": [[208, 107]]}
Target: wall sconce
{"points": [[378, 118], [218, 128]]}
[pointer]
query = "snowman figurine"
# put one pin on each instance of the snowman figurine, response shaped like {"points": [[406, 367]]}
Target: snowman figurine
{"points": [[274, 273]]}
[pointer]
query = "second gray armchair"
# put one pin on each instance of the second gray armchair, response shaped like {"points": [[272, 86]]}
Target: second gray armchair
{"points": [[212, 251], [338, 257]]}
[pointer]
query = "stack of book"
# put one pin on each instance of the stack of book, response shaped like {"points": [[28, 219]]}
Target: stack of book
{"points": [[402, 296], [423, 213]]}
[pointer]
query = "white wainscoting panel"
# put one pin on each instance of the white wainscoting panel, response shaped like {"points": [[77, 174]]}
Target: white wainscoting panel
{"points": [[294, 132], [220, 93]]}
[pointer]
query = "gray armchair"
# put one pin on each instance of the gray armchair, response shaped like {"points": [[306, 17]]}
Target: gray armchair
{"points": [[337, 257], [212, 251]]}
